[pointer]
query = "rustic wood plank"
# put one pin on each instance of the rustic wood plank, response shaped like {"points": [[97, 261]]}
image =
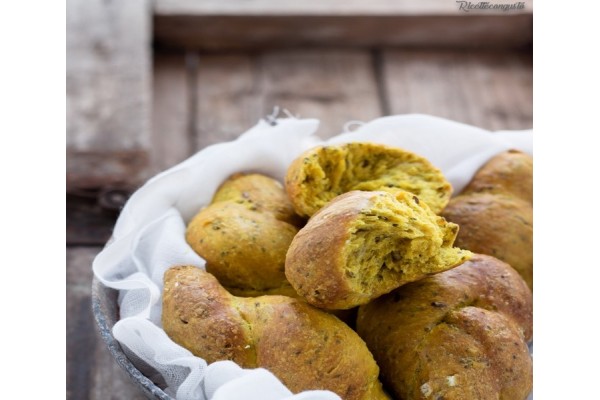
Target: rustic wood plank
{"points": [[235, 91], [227, 98], [92, 373], [241, 24], [81, 337], [88, 223], [492, 90], [108, 84], [221, 33], [171, 112], [333, 86], [109, 380], [92, 213]]}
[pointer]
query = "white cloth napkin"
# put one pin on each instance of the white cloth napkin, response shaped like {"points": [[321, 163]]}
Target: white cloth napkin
{"points": [[149, 235]]}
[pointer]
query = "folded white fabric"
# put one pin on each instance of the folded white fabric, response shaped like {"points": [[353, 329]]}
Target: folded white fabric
{"points": [[149, 235]]}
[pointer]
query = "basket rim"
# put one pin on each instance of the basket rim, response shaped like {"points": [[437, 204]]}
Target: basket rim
{"points": [[101, 306]]}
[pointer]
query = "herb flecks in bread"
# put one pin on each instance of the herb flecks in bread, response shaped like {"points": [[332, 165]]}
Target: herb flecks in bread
{"points": [[495, 212], [258, 193], [365, 244], [322, 173], [460, 334], [244, 235]]}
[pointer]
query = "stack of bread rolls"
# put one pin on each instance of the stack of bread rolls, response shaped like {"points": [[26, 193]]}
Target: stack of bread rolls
{"points": [[366, 229]]}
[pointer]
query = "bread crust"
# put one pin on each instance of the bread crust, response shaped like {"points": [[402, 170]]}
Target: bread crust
{"points": [[198, 316], [509, 173], [244, 235], [306, 348], [314, 261], [259, 193], [319, 259], [460, 334], [496, 225], [495, 212]]}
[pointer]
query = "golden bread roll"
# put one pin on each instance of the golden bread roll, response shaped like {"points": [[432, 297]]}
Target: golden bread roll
{"points": [[304, 347], [259, 193], [244, 235], [364, 244], [509, 173], [322, 173], [495, 212], [460, 334], [496, 225]]}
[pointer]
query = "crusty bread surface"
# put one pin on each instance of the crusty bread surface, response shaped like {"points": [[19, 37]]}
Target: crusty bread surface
{"points": [[460, 334], [244, 235], [384, 241], [364, 244], [306, 348], [509, 173], [495, 212]]}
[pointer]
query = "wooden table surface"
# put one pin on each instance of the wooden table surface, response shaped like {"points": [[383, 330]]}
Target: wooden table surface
{"points": [[202, 98]]}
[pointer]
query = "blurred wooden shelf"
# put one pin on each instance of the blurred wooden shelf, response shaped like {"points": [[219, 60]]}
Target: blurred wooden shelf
{"points": [[242, 25], [111, 106]]}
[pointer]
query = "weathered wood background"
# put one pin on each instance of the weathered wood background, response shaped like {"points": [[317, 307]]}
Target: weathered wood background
{"points": [[134, 110]]}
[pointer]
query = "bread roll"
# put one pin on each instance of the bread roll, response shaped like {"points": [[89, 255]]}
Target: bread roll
{"points": [[244, 235], [304, 347], [322, 173], [364, 244], [497, 225], [460, 334], [509, 173], [259, 193], [495, 212]]}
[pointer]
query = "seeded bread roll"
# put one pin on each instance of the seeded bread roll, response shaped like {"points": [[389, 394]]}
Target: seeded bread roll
{"points": [[495, 212], [306, 348], [259, 193], [460, 334], [244, 249], [364, 244], [244, 235], [509, 173], [322, 173], [497, 225]]}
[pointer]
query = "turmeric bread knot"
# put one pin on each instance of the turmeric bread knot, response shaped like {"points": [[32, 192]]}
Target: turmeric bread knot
{"points": [[306, 348], [460, 334], [244, 235], [495, 212], [364, 244]]}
